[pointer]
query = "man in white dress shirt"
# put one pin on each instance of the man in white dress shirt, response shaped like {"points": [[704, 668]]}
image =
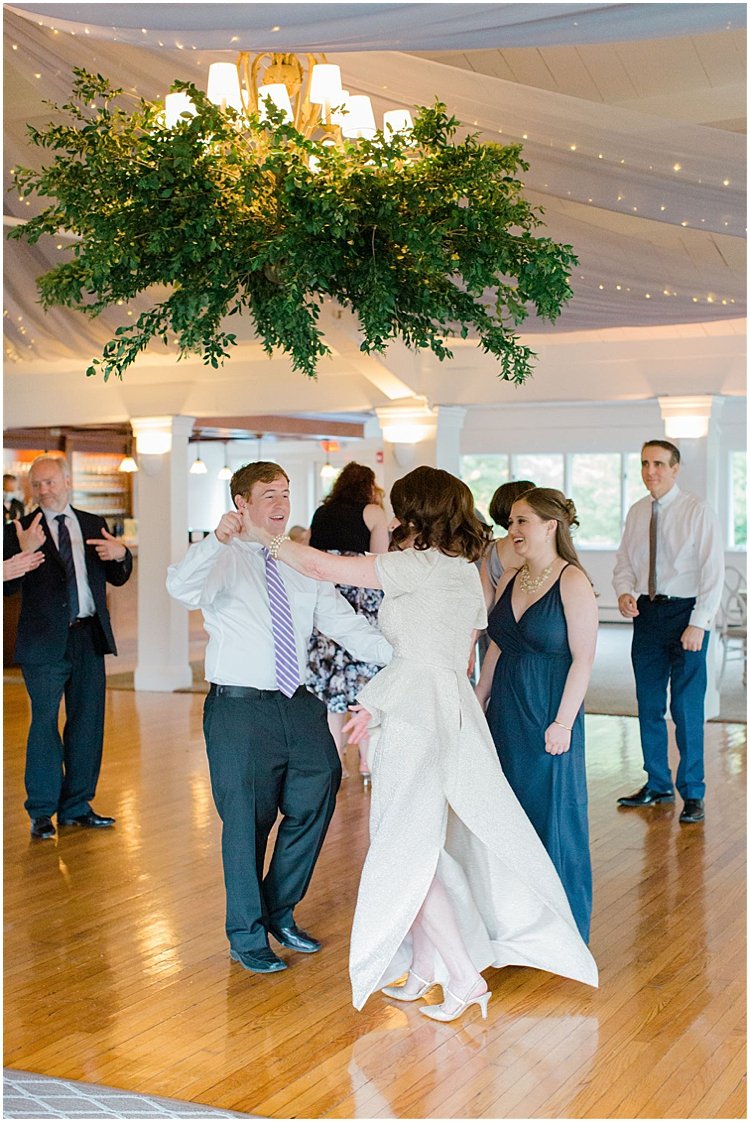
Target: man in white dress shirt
{"points": [[267, 739], [668, 577]]}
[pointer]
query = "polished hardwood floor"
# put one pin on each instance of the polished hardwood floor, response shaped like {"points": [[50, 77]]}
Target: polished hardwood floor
{"points": [[117, 971]]}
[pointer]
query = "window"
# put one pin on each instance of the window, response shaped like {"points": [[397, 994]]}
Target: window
{"points": [[545, 469], [738, 494], [483, 475], [595, 489], [634, 486]]}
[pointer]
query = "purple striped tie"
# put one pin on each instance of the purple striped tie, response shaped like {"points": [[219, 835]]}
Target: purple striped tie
{"points": [[287, 666]]}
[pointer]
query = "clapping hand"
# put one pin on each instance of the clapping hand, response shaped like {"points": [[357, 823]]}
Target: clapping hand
{"points": [[33, 537], [108, 547], [21, 563], [357, 726]]}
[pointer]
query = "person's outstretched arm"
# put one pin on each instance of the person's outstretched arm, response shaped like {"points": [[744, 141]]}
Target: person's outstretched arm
{"points": [[360, 572]]}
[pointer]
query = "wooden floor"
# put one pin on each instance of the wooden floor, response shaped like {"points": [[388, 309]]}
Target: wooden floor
{"points": [[117, 971]]}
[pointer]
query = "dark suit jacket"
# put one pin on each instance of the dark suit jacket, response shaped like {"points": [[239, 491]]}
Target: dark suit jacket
{"points": [[43, 624]]}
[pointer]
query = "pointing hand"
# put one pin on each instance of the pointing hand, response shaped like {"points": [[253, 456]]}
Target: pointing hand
{"points": [[108, 547]]}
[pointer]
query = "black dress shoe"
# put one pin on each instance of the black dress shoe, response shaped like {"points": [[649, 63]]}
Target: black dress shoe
{"points": [[263, 961], [295, 939], [42, 827], [646, 797], [90, 821], [692, 811]]}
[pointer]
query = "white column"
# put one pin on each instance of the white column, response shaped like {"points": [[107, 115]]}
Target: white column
{"points": [[409, 430], [163, 652], [448, 443]]}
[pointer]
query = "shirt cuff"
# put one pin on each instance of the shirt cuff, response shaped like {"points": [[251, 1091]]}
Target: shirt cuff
{"points": [[700, 619]]}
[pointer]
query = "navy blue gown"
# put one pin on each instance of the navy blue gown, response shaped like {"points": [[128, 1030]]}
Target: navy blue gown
{"points": [[526, 690]]}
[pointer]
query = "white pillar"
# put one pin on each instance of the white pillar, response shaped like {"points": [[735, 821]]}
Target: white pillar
{"points": [[409, 438], [448, 442], [163, 651]]}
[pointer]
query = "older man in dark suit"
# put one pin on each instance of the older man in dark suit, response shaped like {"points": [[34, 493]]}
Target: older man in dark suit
{"points": [[64, 631]]}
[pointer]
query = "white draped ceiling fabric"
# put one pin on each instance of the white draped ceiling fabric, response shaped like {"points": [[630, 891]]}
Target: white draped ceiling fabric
{"points": [[654, 206]]}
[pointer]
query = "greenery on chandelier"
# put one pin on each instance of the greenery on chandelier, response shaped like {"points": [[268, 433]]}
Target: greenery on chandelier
{"points": [[220, 215]]}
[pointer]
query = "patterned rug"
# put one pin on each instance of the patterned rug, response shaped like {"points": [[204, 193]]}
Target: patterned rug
{"points": [[26, 1095]]}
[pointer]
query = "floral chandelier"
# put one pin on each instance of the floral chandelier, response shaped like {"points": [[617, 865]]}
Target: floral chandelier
{"points": [[308, 95], [273, 193]]}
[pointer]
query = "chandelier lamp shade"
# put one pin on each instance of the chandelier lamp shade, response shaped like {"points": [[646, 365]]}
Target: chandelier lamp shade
{"points": [[273, 194], [307, 93]]}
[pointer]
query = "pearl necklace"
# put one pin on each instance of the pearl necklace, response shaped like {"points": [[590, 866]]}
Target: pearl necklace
{"points": [[533, 584]]}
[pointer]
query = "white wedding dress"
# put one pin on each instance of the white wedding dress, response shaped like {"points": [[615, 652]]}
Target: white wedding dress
{"points": [[440, 802]]}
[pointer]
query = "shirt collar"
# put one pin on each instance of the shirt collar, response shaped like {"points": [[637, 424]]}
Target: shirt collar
{"points": [[51, 515], [668, 499]]}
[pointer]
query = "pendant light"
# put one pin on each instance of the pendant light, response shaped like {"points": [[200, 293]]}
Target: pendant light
{"points": [[198, 467], [226, 471]]}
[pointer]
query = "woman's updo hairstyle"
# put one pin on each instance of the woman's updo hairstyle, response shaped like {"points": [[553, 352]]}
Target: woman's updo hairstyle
{"points": [[548, 503], [437, 509]]}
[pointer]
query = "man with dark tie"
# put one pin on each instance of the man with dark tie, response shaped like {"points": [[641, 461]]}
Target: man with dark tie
{"points": [[267, 738], [64, 631], [668, 577], [12, 505]]}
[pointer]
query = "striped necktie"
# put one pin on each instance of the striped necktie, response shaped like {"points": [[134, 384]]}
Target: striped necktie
{"points": [[65, 549], [285, 648]]}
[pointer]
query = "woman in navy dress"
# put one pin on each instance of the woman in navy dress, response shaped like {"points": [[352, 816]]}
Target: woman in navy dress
{"points": [[543, 629]]}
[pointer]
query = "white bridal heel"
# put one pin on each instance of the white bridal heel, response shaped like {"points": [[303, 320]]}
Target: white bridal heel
{"points": [[435, 1013], [398, 991]]}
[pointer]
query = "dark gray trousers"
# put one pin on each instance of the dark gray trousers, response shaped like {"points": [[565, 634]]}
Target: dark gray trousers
{"points": [[269, 753]]}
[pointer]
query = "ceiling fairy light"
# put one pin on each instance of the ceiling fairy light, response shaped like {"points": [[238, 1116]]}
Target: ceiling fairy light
{"points": [[306, 91]]}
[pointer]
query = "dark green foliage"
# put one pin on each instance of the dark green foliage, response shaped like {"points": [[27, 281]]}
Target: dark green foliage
{"points": [[422, 240]]}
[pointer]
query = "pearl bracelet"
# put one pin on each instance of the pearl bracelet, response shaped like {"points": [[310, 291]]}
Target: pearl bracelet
{"points": [[276, 543], [562, 726]]}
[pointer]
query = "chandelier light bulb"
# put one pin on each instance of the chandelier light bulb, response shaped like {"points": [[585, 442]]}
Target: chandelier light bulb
{"points": [[224, 85]]}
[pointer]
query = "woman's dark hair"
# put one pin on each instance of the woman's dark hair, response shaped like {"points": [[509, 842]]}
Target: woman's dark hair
{"points": [[438, 510], [355, 484], [548, 503], [503, 500]]}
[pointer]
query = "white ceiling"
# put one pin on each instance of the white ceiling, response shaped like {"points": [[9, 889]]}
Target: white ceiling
{"points": [[605, 120]]}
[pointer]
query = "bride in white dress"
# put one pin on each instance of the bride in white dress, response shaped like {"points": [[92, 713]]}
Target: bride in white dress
{"points": [[456, 878]]}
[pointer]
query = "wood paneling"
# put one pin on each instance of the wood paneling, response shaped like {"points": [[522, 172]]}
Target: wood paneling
{"points": [[117, 972]]}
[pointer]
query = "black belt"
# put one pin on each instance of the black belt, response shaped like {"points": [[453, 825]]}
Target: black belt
{"points": [[660, 598], [246, 691], [82, 621]]}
